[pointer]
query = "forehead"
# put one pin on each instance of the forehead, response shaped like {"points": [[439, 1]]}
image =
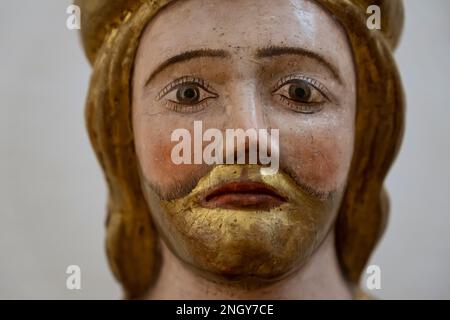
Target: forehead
{"points": [[242, 26]]}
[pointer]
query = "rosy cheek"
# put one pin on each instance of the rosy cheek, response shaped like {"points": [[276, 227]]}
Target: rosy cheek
{"points": [[155, 158], [154, 154], [319, 160]]}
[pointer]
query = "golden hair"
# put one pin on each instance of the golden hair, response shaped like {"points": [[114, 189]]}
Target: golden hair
{"points": [[111, 31]]}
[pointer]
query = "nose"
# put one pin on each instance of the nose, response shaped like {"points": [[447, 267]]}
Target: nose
{"points": [[246, 107], [247, 133]]}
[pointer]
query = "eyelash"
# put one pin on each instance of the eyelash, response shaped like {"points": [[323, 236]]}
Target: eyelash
{"points": [[319, 86], [177, 107], [300, 108], [181, 81]]}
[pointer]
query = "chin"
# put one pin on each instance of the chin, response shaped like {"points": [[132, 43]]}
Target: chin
{"points": [[250, 247]]}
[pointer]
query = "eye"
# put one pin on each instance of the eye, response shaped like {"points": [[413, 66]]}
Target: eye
{"points": [[187, 94], [301, 94]]}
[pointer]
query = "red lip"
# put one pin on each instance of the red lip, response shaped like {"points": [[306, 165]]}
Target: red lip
{"points": [[248, 195]]}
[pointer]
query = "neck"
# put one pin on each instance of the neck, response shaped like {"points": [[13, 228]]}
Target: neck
{"points": [[319, 278]]}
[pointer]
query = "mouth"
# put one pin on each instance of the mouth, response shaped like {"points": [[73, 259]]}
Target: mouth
{"points": [[243, 195]]}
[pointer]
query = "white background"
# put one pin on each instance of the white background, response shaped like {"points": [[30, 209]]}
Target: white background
{"points": [[52, 193]]}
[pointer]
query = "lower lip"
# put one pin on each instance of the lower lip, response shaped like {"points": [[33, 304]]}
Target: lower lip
{"points": [[244, 201]]}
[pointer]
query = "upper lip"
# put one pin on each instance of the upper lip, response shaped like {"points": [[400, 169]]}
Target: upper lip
{"points": [[265, 192]]}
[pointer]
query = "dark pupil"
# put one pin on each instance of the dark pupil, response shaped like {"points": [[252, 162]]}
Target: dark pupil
{"points": [[188, 94], [299, 92]]}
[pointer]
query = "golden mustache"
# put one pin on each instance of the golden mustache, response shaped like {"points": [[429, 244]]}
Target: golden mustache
{"points": [[284, 185]]}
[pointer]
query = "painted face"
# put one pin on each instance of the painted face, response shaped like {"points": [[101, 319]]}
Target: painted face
{"points": [[250, 65]]}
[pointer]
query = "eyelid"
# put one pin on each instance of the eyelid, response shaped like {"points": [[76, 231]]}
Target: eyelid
{"points": [[313, 82], [184, 80]]}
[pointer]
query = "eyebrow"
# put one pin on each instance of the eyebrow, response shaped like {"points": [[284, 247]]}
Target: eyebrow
{"points": [[185, 56], [273, 51], [267, 52]]}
